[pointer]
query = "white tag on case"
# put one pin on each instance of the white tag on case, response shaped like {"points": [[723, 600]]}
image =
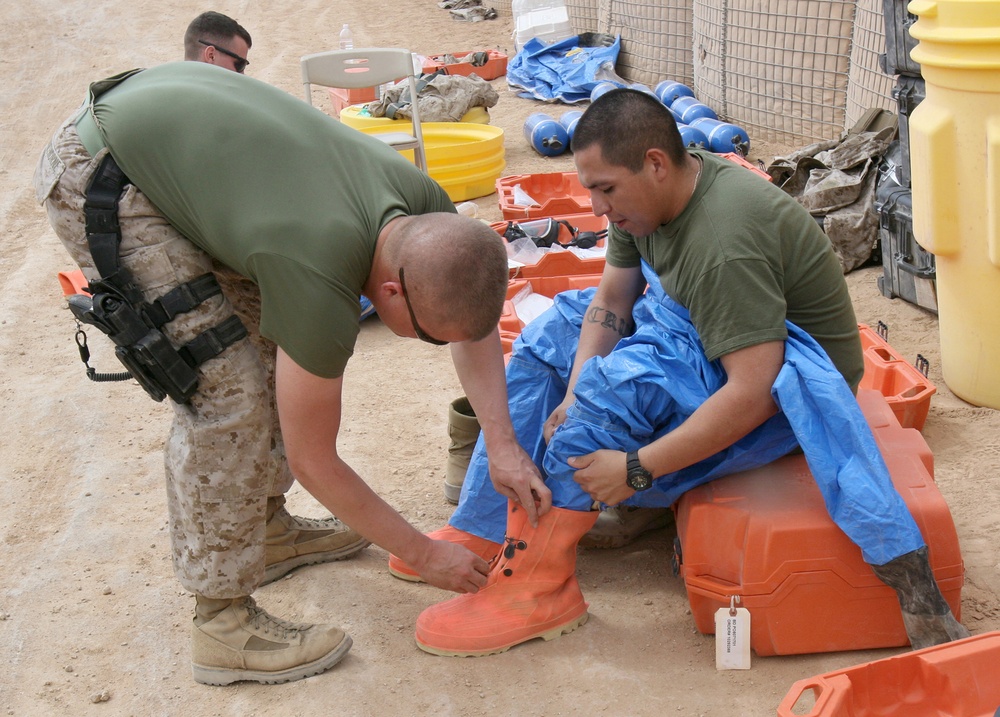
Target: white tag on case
{"points": [[732, 637]]}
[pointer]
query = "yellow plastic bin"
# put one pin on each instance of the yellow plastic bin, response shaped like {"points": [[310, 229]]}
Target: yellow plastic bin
{"points": [[955, 162]]}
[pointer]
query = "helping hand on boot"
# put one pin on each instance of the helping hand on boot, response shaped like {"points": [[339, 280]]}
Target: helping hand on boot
{"points": [[452, 567], [516, 477]]}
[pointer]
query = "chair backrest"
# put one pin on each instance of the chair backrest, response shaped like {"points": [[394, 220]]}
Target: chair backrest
{"points": [[367, 67]]}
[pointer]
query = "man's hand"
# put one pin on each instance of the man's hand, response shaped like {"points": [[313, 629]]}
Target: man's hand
{"points": [[602, 474], [452, 567], [515, 477], [557, 417]]}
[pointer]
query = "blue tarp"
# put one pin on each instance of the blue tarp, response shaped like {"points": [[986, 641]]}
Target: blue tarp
{"points": [[650, 384], [565, 71]]}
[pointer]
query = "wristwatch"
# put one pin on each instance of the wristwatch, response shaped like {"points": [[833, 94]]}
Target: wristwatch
{"points": [[636, 477]]}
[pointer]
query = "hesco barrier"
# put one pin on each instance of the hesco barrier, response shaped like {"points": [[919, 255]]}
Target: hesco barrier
{"points": [[780, 70], [867, 85]]}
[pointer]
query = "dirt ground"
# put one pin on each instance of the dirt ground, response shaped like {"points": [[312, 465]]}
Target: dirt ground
{"points": [[92, 620]]}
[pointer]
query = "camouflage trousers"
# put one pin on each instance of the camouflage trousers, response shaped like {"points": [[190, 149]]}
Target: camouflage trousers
{"points": [[223, 456]]}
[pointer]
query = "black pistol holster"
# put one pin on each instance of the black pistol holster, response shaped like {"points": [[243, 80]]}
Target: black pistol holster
{"points": [[116, 305]]}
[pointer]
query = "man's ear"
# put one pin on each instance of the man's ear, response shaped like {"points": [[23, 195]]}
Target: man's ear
{"points": [[389, 289], [659, 162]]}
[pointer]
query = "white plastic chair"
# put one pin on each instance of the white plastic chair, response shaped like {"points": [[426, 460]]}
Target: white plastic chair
{"points": [[369, 67]]}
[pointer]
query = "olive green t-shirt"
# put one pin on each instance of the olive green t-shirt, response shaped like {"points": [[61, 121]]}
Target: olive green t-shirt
{"points": [[742, 258], [270, 186]]}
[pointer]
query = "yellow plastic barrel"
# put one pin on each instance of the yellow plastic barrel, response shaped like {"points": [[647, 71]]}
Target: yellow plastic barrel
{"points": [[955, 163]]}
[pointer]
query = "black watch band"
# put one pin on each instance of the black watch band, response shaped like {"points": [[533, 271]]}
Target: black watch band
{"points": [[636, 477]]}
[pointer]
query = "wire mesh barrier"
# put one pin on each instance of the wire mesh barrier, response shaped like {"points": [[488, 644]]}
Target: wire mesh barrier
{"points": [[656, 39], [587, 15], [791, 71], [782, 65], [867, 85]]}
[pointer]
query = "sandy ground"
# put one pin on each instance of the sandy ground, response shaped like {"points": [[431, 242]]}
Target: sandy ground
{"points": [[92, 620]]}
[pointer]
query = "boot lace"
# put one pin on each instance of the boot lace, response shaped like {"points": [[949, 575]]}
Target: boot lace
{"points": [[261, 619]]}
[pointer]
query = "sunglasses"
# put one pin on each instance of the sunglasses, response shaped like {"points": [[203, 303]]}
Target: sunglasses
{"points": [[239, 63], [421, 334]]}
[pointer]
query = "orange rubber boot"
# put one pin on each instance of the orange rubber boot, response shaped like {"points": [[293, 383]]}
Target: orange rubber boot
{"points": [[486, 549], [532, 591]]}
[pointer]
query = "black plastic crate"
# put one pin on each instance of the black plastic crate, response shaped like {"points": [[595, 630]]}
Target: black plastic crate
{"points": [[908, 270], [898, 41], [908, 93]]}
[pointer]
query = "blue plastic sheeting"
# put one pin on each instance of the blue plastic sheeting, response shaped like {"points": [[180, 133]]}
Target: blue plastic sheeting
{"points": [[564, 71], [650, 384]]}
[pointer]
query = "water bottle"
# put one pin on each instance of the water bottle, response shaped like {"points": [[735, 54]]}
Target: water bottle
{"points": [[545, 134], [346, 38]]}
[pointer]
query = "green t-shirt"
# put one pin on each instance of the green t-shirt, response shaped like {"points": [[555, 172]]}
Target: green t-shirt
{"points": [[273, 188], [742, 258]]}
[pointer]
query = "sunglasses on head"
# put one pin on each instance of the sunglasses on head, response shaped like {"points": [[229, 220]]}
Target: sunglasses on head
{"points": [[544, 233], [421, 334], [239, 63]]}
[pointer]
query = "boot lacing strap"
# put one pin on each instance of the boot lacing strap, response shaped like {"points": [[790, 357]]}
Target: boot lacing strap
{"points": [[315, 523], [512, 545], [262, 620]]}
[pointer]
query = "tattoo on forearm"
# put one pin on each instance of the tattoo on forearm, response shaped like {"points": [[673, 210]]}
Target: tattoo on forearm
{"points": [[608, 320]]}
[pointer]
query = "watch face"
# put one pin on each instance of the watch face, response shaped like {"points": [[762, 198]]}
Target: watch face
{"points": [[639, 479]]}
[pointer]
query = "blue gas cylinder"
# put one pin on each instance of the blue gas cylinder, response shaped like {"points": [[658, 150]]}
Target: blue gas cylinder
{"points": [[669, 90], [692, 136], [568, 121], [602, 88], [643, 88], [691, 109], [545, 134], [724, 137], [676, 114]]}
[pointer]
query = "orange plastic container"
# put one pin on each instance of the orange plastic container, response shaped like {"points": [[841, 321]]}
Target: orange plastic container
{"points": [[958, 678], [906, 389], [556, 193], [562, 193], [546, 286], [766, 536], [496, 65], [563, 263], [341, 97], [738, 159]]}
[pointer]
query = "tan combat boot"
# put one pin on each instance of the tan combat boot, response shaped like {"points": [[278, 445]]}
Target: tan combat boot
{"points": [[619, 525], [292, 541], [463, 430], [233, 640]]}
